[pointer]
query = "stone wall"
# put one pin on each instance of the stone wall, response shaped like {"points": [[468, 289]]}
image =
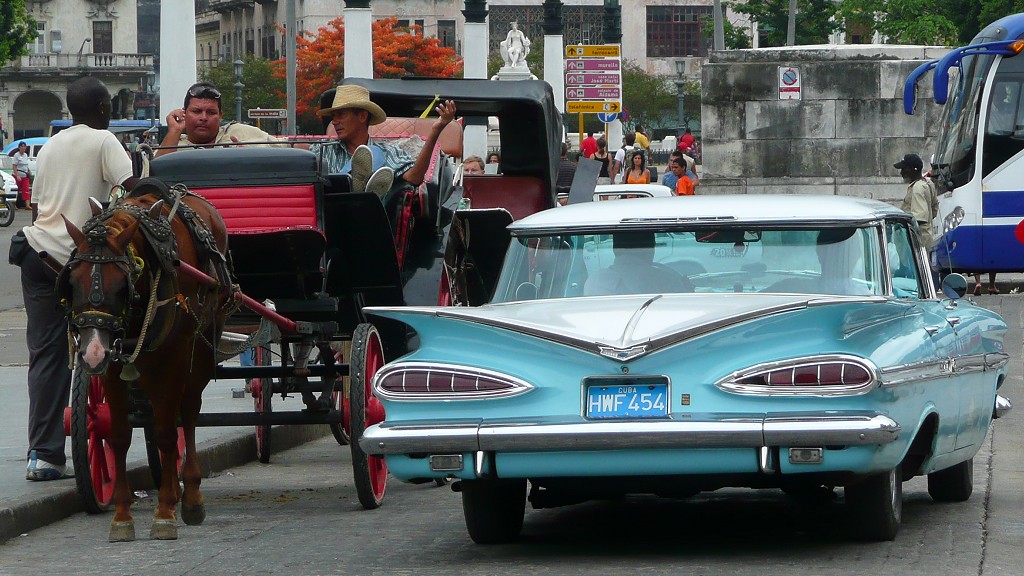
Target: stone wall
{"points": [[842, 137]]}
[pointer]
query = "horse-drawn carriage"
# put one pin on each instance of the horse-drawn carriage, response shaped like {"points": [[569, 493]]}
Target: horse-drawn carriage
{"points": [[306, 255]]}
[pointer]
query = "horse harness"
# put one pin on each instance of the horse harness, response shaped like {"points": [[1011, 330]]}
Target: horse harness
{"points": [[158, 233]]}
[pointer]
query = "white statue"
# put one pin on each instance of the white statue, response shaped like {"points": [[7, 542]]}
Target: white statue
{"points": [[515, 47]]}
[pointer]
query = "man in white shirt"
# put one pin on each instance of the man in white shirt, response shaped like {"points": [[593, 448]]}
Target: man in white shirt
{"points": [[84, 161]]}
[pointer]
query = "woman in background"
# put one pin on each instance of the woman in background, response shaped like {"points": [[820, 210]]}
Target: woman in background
{"points": [[638, 173]]}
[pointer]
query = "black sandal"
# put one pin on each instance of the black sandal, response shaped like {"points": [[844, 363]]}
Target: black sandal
{"points": [[977, 290]]}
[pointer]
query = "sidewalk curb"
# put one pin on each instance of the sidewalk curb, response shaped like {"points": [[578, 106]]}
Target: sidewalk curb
{"points": [[215, 455]]}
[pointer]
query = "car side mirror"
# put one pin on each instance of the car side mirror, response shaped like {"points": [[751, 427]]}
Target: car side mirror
{"points": [[954, 286]]}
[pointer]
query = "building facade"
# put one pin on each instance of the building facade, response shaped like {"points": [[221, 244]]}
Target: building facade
{"points": [[76, 38], [655, 33]]}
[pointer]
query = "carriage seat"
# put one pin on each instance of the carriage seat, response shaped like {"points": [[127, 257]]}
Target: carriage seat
{"points": [[269, 200], [520, 195]]}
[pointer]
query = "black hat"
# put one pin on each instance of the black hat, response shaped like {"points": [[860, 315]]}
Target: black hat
{"points": [[910, 161]]}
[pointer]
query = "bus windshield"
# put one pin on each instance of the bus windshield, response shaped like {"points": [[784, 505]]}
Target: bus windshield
{"points": [[955, 149]]}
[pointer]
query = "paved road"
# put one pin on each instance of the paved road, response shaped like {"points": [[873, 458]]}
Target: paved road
{"points": [[300, 514]]}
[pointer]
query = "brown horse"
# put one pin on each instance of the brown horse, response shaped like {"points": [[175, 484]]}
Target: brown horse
{"points": [[121, 285]]}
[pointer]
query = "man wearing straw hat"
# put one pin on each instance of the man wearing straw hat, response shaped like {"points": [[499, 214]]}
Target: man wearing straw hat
{"points": [[371, 165]]}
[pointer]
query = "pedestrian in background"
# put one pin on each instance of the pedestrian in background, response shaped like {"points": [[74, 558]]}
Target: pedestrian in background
{"points": [[602, 156], [920, 200], [566, 171], [22, 176], [684, 186], [82, 162], [638, 173], [588, 147], [641, 139], [618, 164]]}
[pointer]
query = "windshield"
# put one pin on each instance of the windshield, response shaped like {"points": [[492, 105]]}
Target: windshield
{"points": [[955, 148], [815, 260]]}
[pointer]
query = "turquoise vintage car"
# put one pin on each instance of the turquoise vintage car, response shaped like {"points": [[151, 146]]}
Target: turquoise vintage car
{"points": [[677, 345]]}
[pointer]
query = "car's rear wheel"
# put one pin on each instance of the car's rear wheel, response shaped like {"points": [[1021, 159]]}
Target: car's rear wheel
{"points": [[494, 509], [876, 506], [954, 484]]}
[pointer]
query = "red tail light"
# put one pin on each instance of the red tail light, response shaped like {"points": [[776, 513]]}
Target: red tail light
{"points": [[416, 381], [823, 375]]}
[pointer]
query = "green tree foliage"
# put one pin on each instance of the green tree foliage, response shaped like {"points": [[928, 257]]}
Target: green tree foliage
{"points": [[17, 30], [926, 22], [736, 37], [992, 10], [649, 99], [262, 88], [814, 20]]}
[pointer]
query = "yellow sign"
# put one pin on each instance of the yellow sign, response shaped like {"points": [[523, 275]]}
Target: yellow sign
{"points": [[592, 106], [605, 50]]}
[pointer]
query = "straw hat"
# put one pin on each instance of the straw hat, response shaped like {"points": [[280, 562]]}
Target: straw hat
{"points": [[352, 96]]}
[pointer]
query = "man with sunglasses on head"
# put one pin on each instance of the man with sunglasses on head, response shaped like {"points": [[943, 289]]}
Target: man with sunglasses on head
{"points": [[199, 123]]}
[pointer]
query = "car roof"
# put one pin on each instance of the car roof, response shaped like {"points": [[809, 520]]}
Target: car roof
{"points": [[785, 209], [33, 141]]}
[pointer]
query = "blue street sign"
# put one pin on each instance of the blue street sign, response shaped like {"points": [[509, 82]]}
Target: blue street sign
{"points": [[607, 117]]}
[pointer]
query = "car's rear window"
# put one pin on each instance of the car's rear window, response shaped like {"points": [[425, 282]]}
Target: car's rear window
{"points": [[812, 260]]}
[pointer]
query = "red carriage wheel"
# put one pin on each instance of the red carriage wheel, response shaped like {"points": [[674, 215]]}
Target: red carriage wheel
{"points": [[262, 394], [153, 454], [370, 472], [92, 457], [444, 290]]}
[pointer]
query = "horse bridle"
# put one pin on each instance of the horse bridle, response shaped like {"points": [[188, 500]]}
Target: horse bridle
{"points": [[100, 253]]}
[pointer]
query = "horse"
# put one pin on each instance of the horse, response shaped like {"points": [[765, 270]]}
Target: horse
{"points": [[121, 285]]}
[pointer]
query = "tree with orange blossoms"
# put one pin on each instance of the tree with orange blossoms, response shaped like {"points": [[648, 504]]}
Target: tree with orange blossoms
{"points": [[397, 51]]}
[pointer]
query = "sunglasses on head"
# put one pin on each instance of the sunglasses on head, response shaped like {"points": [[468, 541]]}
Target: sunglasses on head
{"points": [[205, 92]]}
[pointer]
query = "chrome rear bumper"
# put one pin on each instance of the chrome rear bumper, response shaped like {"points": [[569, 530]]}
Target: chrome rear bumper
{"points": [[695, 431]]}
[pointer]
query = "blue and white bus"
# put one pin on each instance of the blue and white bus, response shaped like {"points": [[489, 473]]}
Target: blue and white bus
{"points": [[978, 162], [116, 126]]}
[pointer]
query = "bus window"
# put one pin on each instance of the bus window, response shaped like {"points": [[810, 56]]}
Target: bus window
{"points": [[1004, 133]]}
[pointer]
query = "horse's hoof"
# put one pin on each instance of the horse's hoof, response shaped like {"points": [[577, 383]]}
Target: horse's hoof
{"points": [[193, 515], [122, 531], [163, 530]]}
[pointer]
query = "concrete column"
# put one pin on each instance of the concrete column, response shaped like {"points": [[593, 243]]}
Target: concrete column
{"points": [[554, 68], [554, 51], [475, 45], [358, 39], [177, 54]]}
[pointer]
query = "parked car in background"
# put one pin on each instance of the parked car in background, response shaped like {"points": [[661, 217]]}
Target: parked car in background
{"points": [[10, 185], [34, 144], [670, 347]]}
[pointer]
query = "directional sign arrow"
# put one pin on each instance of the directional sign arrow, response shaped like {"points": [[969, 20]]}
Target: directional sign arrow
{"points": [[592, 106]]}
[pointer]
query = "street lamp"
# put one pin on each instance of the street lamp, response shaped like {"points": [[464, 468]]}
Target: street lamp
{"points": [[82, 47], [238, 90], [680, 85]]}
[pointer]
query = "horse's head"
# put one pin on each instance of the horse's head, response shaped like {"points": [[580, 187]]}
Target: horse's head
{"points": [[98, 283]]}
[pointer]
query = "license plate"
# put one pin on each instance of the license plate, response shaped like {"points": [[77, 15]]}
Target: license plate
{"points": [[627, 399]]}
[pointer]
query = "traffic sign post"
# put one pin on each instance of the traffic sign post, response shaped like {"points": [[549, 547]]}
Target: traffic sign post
{"points": [[593, 80], [256, 113]]}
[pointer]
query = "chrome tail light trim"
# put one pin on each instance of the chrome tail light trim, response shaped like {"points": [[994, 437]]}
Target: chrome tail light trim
{"points": [[392, 382], [739, 382]]}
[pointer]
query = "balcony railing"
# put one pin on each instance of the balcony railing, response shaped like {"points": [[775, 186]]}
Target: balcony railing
{"points": [[91, 60], [229, 5]]}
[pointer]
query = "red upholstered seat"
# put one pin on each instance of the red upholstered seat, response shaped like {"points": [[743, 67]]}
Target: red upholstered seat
{"points": [[520, 195], [275, 239], [256, 209]]}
